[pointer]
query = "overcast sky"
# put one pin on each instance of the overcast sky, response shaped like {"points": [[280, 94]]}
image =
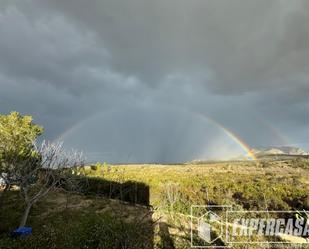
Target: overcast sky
{"points": [[156, 81]]}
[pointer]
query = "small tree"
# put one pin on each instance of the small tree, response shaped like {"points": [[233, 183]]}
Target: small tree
{"points": [[47, 167], [35, 170], [17, 134]]}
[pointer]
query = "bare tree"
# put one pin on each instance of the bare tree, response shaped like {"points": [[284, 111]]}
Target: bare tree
{"points": [[49, 166]]}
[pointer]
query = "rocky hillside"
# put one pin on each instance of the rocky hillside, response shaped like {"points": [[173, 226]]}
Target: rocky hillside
{"points": [[283, 150]]}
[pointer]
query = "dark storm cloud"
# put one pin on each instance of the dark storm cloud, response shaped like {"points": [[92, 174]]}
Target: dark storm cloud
{"points": [[242, 62], [244, 44], [47, 50]]}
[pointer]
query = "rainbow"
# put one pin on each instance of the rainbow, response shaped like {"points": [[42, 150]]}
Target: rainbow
{"points": [[239, 141], [77, 126], [236, 138]]}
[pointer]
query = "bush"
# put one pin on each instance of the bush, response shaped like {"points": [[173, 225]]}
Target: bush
{"points": [[130, 191]]}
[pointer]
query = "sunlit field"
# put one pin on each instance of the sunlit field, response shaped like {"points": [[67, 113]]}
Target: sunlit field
{"points": [[99, 219]]}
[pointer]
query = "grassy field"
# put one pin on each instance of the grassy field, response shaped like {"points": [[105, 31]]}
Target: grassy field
{"points": [[66, 220], [272, 185]]}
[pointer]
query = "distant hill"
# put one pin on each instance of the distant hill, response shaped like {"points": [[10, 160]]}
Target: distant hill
{"points": [[281, 150], [270, 152]]}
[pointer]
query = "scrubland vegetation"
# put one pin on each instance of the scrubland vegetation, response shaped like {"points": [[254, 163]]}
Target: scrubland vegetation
{"points": [[94, 220], [132, 206], [273, 185]]}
